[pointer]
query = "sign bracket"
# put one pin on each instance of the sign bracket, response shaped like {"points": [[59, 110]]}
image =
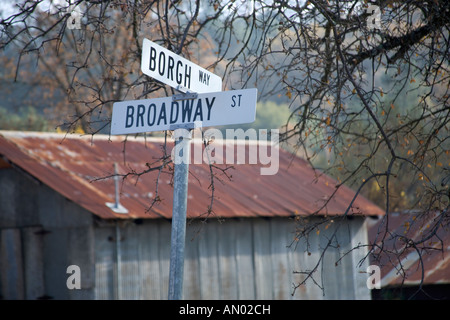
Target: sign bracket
{"points": [[184, 96], [116, 206]]}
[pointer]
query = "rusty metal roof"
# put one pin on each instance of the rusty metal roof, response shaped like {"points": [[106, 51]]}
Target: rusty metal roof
{"points": [[400, 262], [71, 165]]}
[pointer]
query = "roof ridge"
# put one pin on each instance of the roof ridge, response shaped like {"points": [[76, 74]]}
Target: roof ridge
{"points": [[102, 136]]}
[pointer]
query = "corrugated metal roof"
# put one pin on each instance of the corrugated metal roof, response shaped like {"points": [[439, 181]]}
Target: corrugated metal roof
{"points": [[400, 262], [71, 164]]}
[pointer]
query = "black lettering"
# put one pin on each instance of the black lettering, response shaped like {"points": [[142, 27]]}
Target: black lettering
{"points": [[140, 115], [179, 74], [162, 114], [203, 77], [172, 112], [149, 113], [186, 110], [161, 65], [198, 111], [130, 114], [152, 63], [170, 66], [233, 97], [187, 76], [210, 105]]}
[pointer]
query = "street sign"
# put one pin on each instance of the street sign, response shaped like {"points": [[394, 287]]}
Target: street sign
{"points": [[211, 109], [175, 71]]}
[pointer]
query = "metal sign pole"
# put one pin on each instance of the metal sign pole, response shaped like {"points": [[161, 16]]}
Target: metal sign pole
{"points": [[181, 159]]}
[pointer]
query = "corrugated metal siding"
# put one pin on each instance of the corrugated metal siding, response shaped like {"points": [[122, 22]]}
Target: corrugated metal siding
{"points": [[232, 259], [52, 233]]}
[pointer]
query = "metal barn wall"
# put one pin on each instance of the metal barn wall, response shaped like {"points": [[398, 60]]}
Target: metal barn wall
{"points": [[41, 234], [233, 259]]}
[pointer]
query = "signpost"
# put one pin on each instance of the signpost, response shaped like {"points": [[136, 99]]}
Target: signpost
{"points": [[202, 102]]}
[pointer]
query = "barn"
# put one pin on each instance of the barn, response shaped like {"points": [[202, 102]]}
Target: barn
{"points": [[54, 214], [408, 272]]}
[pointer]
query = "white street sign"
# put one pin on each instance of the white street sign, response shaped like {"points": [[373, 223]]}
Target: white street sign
{"points": [[209, 109], [175, 71]]}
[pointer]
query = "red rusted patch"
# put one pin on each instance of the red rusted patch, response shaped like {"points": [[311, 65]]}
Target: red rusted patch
{"points": [[72, 164]]}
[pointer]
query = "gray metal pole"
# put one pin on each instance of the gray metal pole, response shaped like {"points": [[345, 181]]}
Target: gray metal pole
{"points": [[181, 159]]}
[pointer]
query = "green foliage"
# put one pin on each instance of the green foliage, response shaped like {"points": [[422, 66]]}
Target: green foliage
{"points": [[359, 154], [26, 119], [269, 115]]}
